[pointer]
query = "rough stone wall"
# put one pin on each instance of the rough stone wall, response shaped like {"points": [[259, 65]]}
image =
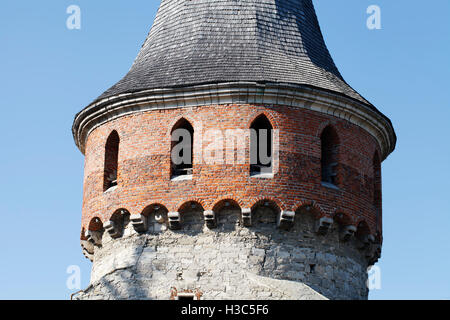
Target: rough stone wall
{"points": [[229, 262], [144, 165]]}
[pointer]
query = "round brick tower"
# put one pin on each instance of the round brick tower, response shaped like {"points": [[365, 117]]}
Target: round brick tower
{"points": [[278, 191]]}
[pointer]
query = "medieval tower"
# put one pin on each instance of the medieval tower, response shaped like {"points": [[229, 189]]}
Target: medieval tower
{"points": [[291, 212]]}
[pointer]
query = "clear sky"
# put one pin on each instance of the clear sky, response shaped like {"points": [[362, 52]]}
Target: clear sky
{"points": [[48, 73]]}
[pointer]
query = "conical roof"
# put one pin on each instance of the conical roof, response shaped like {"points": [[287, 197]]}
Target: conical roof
{"points": [[212, 41]]}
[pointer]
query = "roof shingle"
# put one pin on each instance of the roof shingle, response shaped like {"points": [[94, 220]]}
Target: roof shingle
{"points": [[213, 41]]}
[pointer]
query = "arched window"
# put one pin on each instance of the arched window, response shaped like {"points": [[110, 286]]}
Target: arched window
{"points": [[111, 161], [261, 146], [377, 183], [182, 148], [329, 161]]}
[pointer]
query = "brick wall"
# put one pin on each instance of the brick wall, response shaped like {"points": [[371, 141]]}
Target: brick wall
{"points": [[144, 174]]}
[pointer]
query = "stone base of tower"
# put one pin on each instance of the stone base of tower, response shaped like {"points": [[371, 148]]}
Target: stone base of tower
{"points": [[229, 262]]}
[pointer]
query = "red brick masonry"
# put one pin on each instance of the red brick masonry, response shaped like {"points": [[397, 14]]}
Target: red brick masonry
{"points": [[144, 165]]}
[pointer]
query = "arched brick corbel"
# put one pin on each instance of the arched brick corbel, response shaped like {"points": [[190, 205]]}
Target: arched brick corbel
{"points": [[323, 225], [116, 225], [210, 219], [365, 241], [174, 220], [285, 220], [347, 232], [139, 222], [95, 237], [113, 229], [373, 253], [246, 217]]}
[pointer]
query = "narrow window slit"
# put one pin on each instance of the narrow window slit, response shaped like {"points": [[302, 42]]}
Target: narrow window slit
{"points": [[261, 147]]}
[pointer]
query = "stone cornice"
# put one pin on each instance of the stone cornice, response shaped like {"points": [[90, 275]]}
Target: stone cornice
{"points": [[327, 102]]}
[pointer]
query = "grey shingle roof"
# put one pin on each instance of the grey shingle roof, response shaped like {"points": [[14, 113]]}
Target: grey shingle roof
{"points": [[212, 41]]}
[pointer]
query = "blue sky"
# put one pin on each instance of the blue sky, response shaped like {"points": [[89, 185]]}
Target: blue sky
{"points": [[48, 73]]}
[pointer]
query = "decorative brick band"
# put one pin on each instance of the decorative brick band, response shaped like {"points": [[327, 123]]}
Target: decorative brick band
{"points": [[364, 242]]}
